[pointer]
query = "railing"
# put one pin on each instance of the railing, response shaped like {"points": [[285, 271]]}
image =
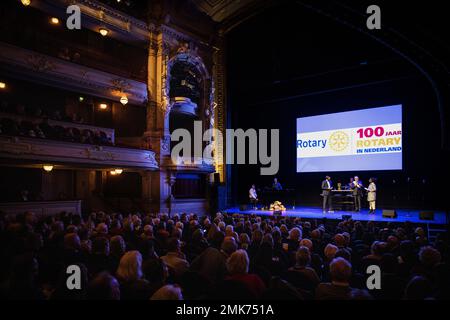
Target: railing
{"points": [[65, 124], [41, 208], [53, 151]]}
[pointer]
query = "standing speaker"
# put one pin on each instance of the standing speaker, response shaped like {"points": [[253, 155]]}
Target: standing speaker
{"points": [[426, 215], [389, 214]]}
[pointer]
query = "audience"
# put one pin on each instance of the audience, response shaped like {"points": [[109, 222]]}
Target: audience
{"points": [[154, 256]]}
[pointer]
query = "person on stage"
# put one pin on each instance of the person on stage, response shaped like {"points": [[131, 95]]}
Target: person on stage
{"points": [[350, 184], [253, 196], [371, 195], [357, 188], [276, 186], [327, 186]]}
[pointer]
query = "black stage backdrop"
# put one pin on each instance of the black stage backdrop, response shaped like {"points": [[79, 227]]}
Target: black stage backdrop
{"points": [[288, 63]]}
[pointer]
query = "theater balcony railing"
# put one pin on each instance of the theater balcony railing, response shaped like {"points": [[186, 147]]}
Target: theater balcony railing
{"points": [[193, 164], [108, 133], [22, 63], [19, 148]]}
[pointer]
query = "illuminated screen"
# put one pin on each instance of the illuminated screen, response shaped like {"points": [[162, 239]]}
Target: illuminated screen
{"points": [[361, 140]]}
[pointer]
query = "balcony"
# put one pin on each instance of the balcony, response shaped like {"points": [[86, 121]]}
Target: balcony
{"points": [[43, 151], [55, 72]]}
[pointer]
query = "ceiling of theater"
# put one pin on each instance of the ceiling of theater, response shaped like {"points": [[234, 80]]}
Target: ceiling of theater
{"points": [[220, 10]]}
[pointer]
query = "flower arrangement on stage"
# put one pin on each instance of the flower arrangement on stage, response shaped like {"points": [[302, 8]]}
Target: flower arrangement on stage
{"points": [[277, 206]]}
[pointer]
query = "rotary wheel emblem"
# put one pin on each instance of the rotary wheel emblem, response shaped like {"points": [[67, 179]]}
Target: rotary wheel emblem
{"points": [[339, 141]]}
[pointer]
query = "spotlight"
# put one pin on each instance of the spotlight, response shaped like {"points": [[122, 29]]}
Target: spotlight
{"points": [[103, 106], [103, 31], [2, 85], [81, 98], [47, 168], [118, 171], [54, 20], [26, 3], [124, 100], [113, 173]]}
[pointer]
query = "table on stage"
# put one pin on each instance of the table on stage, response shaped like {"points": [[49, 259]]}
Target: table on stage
{"points": [[343, 199]]}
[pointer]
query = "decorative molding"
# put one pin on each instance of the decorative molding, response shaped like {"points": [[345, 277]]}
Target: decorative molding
{"points": [[110, 133], [43, 150], [128, 26], [58, 72]]}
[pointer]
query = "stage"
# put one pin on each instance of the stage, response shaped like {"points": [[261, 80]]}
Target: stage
{"points": [[316, 213]]}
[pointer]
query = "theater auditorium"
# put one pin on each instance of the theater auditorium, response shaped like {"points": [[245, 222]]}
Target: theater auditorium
{"points": [[214, 150]]}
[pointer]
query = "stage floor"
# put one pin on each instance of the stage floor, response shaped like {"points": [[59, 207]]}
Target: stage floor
{"points": [[316, 213]]}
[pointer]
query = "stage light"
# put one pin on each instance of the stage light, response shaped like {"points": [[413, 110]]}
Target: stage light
{"points": [[113, 172], [47, 168], [103, 31], [81, 98], [103, 106], [54, 20], [124, 100], [2, 85], [118, 171], [26, 3]]}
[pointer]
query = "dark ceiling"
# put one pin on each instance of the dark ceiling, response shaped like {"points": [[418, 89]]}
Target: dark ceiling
{"points": [[292, 49]]}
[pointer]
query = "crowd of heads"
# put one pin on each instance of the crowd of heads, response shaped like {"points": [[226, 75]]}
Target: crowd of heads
{"points": [[20, 121], [185, 256]]}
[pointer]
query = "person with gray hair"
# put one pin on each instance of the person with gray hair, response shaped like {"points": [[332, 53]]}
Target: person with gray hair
{"points": [[237, 267], [168, 292], [301, 275], [339, 288]]}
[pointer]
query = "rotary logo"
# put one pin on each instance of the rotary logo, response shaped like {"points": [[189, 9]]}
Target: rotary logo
{"points": [[339, 141]]}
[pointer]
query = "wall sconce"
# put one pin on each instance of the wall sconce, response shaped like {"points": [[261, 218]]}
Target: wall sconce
{"points": [[103, 31], [47, 167], [116, 172], [26, 3], [103, 106], [124, 100], [2, 85], [54, 20]]}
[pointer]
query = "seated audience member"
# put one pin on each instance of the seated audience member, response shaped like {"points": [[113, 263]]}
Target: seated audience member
{"points": [[168, 292], [301, 275], [22, 283], [197, 245], [62, 292], [175, 259], [393, 286], [118, 249], [339, 288], [212, 262], [429, 258], [99, 259], [72, 246], [129, 273], [156, 273], [237, 266], [295, 235], [419, 288], [104, 287], [376, 254]]}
